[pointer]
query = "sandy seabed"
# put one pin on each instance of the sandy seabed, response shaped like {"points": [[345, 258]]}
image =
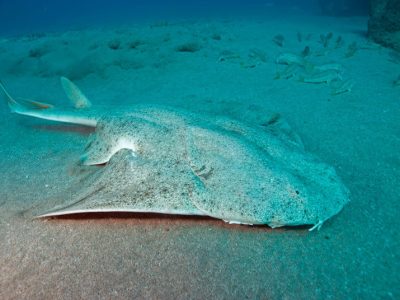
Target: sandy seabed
{"points": [[226, 66]]}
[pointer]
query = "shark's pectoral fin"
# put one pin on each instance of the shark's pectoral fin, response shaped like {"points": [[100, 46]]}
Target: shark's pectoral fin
{"points": [[99, 151], [105, 142], [115, 133], [73, 93], [131, 184]]}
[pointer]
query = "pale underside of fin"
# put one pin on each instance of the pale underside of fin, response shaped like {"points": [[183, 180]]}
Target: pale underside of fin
{"points": [[237, 223], [127, 210]]}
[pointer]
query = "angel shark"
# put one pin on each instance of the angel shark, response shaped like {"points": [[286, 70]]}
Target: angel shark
{"points": [[166, 160]]}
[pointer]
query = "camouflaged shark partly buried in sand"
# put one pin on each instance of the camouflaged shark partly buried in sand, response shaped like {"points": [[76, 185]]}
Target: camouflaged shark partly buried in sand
{"points": [[165, 160]]}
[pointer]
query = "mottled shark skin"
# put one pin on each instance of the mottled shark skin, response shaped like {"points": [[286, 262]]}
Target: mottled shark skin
{"points": [[166, 160]]}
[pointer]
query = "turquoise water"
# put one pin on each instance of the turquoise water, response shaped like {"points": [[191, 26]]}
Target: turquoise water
{"points": [[27, 16]]}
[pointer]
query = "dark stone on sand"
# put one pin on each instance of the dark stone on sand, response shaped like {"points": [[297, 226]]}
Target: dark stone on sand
{"points": [[384, 23], [188, 47]]}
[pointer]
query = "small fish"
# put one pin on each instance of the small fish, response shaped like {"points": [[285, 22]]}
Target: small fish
{"points": [[321, 77], [290, 59], [351, 50], [325, 39], [289, 72], [279, 39], [299, 37], [332, 66], [248, 65], [339, 42], [272, 120], [258, 54], [306, 51], [341, 86], [322, 52], [228, 55]]}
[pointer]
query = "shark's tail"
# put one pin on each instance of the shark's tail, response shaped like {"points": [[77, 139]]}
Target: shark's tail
{"points": [[22, 105], [12, 104], [48, 111]]}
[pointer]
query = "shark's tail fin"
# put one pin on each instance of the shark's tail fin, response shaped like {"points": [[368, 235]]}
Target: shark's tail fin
{"points": [[22, 105], [12, 104], [48, 111]]}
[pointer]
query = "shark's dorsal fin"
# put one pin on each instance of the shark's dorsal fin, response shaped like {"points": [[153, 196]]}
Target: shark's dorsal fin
{"points": [[75, 94]]}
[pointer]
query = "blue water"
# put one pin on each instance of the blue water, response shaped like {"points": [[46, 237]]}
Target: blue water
{"points": [[24, 16]]}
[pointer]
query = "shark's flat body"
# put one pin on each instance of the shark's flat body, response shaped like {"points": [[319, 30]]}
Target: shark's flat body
{"points": [[166, 160]]}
